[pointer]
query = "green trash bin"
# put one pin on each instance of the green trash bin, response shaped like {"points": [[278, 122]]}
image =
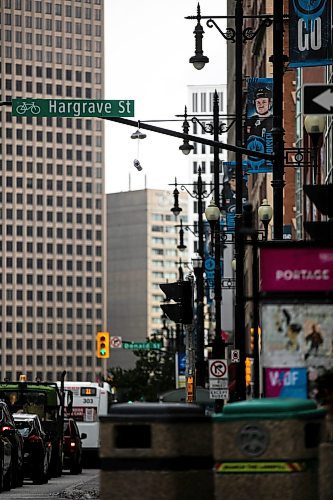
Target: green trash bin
{"points": [[153, 451], [267, 449]]}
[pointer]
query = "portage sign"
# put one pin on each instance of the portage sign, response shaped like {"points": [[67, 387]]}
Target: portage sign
{"points": [[72, 108]]}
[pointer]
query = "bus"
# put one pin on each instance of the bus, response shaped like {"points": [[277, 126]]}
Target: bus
{"points": [[90, 401]]}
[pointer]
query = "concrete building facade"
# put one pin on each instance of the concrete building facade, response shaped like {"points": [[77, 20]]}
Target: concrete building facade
{"points": [[142, 239], [52, 192]]}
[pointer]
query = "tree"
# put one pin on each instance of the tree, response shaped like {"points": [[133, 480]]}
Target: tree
{"points": [[154, 374]]}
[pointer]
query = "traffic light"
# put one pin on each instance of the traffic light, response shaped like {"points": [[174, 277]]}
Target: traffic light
{"points": [[181, 310], [248, 364], [252, 340], [103, 345]]}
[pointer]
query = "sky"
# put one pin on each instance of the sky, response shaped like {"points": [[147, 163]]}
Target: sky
{"points": [[148, 44]]}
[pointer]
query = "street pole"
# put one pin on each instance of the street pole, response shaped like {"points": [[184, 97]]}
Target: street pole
{"points": [[278, 131], [218, 350], [200, 365], [240, 341]]}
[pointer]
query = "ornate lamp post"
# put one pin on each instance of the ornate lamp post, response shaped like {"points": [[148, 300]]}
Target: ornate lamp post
{"points": [[213, 213], [265, 214]]}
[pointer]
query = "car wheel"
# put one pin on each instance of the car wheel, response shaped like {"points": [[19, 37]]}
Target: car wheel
{"points": [[1, 474], [8, 479], [39, 475], [76, 467]]}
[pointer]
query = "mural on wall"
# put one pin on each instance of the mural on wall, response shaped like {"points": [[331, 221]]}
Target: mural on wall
{"points": [[295, 335]]}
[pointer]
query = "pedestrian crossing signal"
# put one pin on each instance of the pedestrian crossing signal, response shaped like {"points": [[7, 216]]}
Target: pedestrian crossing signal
{"points": [[103, 345]]}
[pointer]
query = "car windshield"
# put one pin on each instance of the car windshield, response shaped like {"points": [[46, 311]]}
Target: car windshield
{"points": [[24, 427], [66, 429]]}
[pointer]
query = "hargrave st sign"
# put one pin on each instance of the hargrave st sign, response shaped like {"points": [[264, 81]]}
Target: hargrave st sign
{"points": [[72, 108]]}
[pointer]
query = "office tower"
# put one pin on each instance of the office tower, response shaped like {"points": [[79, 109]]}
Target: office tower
{"points": [[142, 253], [52, 201]]}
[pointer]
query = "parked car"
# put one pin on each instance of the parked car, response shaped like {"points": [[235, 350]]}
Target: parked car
{"points": [[5, 462], [11, 450], [72, 446], [37, 448]]}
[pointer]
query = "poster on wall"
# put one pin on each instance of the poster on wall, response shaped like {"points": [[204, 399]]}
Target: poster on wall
{"points": [[297, 335], [286, 383], [310, 33], [259, 123]]}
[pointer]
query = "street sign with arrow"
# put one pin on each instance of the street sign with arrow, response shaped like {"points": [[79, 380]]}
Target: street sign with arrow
{"points": [[318, 99]]}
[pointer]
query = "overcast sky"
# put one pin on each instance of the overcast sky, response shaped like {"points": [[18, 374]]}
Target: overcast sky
{"points": [[147, 47]]}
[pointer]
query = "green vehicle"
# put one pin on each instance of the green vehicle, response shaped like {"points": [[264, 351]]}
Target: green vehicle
{"points": [[46, 400]]}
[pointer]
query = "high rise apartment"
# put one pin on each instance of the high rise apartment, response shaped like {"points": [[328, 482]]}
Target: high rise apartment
{"points": [[52, 184], [142, 253]]}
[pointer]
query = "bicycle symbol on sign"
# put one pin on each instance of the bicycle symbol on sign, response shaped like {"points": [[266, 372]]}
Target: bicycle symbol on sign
{"points": [[28, 106]]}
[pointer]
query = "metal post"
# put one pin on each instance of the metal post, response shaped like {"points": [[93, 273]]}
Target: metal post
{"points": [[240, 342], [218, 350], [255, 319], [278, 131], [200, 365]]}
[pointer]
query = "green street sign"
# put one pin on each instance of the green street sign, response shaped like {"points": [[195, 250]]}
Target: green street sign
{"points": [[142, 345], [72, 108]]}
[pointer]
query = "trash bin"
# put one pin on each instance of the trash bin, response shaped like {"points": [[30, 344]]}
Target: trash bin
{"points": [[268, 449], [156, 450]]}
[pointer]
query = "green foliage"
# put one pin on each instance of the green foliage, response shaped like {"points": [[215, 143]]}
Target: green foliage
{"points": [[154, 374]]}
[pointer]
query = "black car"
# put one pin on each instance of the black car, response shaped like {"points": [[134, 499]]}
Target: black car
{"points": [[37, 448], [72, 446], [11, 443]]}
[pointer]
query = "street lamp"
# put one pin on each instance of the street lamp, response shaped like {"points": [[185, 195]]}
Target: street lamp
{"points": [[315, 126], [181, 246], [265, 214], [176, 209], [198, 60], [186, 147]]}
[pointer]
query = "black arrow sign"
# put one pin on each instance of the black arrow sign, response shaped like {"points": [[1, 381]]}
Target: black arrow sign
{"points": [[318, 99]]}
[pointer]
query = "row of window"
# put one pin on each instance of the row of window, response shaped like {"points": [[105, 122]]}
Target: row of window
{"points": [[49, 24], [31, 247], [89, 376], [57, 41], [50, 217], [48, 344], [163, 229], [58, 153], [55, 280], [50, 57], [164, 241], [59, 264], [39, 199], [51, 169], [49, 8], [51, 90], [47, 360], [58, 73], [59, 296], [58, 137], [164, 251], [49, 233], [202, 98], [53, 312], [40, 231], [67, 186], [60, 329], [67, 123], [204, 170]]}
